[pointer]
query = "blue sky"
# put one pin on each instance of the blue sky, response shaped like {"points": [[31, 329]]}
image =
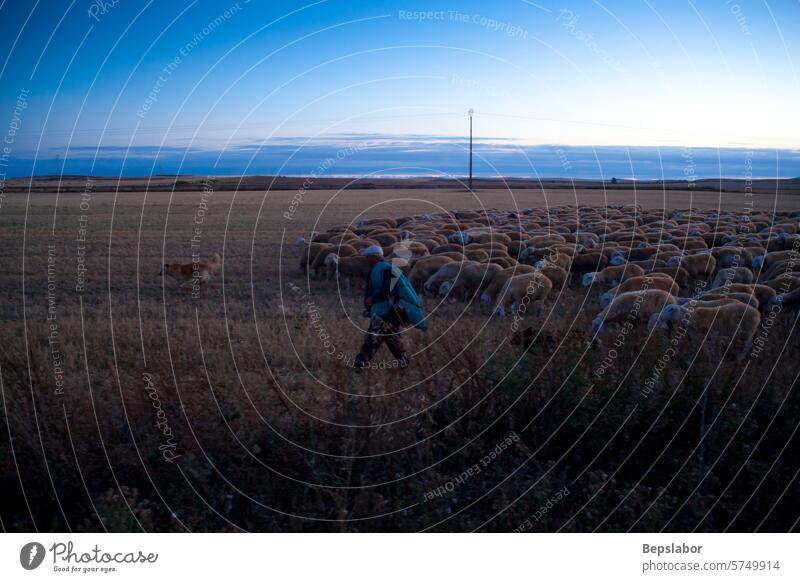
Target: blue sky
{"points": [[216, 75]]}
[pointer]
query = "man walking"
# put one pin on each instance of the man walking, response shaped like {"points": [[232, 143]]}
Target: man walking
{"points": [[391, 303]]}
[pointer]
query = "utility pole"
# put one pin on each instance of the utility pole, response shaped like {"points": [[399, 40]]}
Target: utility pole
{"points": [[470, 112]]}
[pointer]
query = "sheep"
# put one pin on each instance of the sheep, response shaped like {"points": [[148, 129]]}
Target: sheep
{"points": [[649, 265], [429, 243], [789, 299], [679, 274], [779, 267], [488, 237], [425, 267], [664, 283], [762, 293], [343, 250], [546, 240], [453, 255], [728, 275], [633, 306], [448, 248], [310, 252], [558, 259], [516, 247], [558, 276], [471, 279], [504, 262], [587, 262], [783, 284], [388, 222], [644, 253], [613, 275], [499, 280], [732, 256], [349, 267], [343, 238], [518, 289], [446, 272], [476, 255], [460, 237], [745, 298], [705, 302], [765, 261], [720, 322], [700, 266]]}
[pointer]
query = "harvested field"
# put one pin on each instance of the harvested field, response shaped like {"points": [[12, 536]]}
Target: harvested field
{"points": [[132, 405]]}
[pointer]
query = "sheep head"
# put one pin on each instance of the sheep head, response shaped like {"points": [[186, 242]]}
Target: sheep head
{"points": [[671, 313], [617, 259], [588, 279], [606, 299]]}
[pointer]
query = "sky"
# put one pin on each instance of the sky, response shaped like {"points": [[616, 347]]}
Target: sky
{"points": [[121, 86]]}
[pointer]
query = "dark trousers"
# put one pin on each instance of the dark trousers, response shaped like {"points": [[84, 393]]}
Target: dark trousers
{"points": [[385, 330]]}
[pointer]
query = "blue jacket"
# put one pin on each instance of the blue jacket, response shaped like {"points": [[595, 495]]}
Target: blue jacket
{"points": [[386, 285]]}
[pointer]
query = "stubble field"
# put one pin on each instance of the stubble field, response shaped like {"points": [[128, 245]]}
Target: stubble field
{"points": [[130, 405]]}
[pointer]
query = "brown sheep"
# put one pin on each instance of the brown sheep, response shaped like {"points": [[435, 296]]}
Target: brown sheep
{"points": [[701, 266], [446, 272], [762, 293], [786, 300], [343, 250], [558, 276], [557, 259], [588, 262], [729, 275], [783, 284], [504, 262], [453, 255], [490, 293], [471, 279], [476, 255], [343, 238], [679, 274], [664, 283], [310, 252], [611, 276], [521, 290], [424, 268], [491, 237], [718, 323], [349, 268], [633, 306], [448, 248], [780, 267], [745, 298]]}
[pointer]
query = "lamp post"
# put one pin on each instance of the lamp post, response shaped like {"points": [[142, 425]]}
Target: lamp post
{"points": [[470, 112]]}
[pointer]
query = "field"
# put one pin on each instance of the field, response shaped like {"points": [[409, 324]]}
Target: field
{"points": [[129, 405]]}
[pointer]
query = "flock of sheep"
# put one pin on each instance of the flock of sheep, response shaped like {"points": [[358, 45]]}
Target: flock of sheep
{"points": [[716, 272]]}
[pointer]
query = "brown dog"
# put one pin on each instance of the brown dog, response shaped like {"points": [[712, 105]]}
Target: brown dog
{"points": [[192, 274]]}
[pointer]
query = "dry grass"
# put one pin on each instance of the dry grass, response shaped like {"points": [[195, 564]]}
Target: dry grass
{"points": [[274, 434]]}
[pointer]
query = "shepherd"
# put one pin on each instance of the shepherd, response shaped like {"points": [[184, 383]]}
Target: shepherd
{"points": [[391, 304]]}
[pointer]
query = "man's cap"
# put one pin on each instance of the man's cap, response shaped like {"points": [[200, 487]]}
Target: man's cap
{"points": [[371, 250]]}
